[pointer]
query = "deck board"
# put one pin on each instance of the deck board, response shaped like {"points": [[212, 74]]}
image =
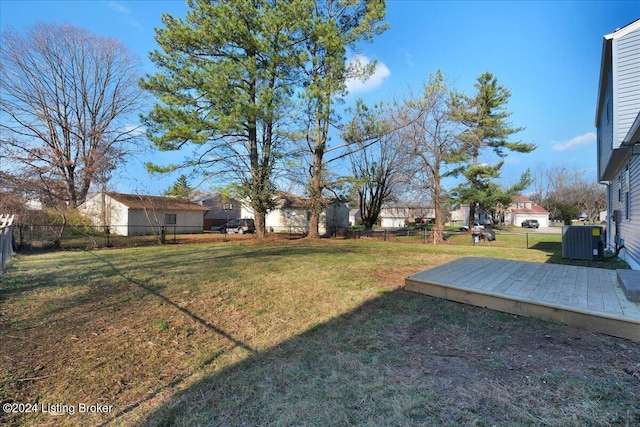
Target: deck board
{"points": [[589, 298]]}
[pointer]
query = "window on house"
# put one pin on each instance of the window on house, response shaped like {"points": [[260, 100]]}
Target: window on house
{"points": [[620, 188], [170, 219]]}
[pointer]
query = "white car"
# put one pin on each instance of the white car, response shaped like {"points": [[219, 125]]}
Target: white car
{"points": [[476, 225]]}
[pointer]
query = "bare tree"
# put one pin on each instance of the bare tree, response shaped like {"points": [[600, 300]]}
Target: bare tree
{"points": [[376, 160], [429, 135], [67, 103], [567, 193], [594, 200]]}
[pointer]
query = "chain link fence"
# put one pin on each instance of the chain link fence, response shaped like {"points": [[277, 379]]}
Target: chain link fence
{"points": [[41, 237]]}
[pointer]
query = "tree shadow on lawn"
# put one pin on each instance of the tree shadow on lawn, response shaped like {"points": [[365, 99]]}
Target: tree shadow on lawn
{"points": [[409, 359]]}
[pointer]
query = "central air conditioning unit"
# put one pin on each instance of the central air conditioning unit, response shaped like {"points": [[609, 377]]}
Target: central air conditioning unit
{"points": [[582, 242]]}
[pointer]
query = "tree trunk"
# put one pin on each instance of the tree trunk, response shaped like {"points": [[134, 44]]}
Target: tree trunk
{"points": [[472, 215], [317, 173], [315, 198], [261, 229], [437, 232]]}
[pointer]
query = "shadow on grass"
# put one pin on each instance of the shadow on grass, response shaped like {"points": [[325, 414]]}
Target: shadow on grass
{"points": [[408, 359], [554, 254]]}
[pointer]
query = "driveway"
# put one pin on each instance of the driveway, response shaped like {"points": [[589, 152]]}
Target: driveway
{"points": [[550, 230]]}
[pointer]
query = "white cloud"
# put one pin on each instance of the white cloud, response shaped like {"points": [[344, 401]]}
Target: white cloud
{"points": [[587, 138], [126, 13], [374, 81]]}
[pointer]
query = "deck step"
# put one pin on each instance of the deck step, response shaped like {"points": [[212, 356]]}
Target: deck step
{"points": [[630, 282]]}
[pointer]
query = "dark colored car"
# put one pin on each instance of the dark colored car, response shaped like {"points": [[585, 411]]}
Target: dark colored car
{"points": [[240, 226], [530, 223]]}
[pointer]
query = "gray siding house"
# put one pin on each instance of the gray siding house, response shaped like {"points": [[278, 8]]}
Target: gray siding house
{"points": [[221, 209], [618, 127]]}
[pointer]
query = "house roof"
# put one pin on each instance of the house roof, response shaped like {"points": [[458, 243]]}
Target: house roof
{"points": [[289, 200], [522, 199], [139, 201], [535, 209]]}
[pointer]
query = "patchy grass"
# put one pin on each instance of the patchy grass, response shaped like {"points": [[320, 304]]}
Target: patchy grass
{"points": [[292, 333]]}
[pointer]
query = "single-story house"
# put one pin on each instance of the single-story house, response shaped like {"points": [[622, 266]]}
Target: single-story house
{"points": [[291, 215], [221, 209], [521, 209], [395, 215], [134, 214], [618, 134]]}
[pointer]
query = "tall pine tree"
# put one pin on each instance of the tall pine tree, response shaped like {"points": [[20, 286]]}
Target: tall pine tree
{"points": [[225, 79], [486, 127]]}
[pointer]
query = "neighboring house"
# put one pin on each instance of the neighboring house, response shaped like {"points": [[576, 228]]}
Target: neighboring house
{"points": [[394, 216], [132, 214], [603, 217], [461, 215], [291, 215], [521, 209], [221, 210], [354, 217], [618, 127]]}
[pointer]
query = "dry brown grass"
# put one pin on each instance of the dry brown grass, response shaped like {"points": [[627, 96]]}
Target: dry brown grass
{"points": [[291, 333]]}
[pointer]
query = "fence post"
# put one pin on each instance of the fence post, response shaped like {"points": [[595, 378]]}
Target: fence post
{"points": [[527, 240]]}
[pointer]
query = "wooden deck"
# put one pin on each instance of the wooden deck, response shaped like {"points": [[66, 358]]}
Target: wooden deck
{"points": [[589, 298]]}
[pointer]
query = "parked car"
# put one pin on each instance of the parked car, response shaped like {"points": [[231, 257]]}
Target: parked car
{"points": [[530, 223], [220, 228], [240, 226], [476, 225]]}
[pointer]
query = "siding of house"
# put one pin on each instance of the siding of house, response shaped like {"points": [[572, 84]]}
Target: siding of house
{"points": [[617, 109], [294, 220], [216, 215], [115, 214], [605, 128], [149, 222], [626, 76], [629, 221], [291, 216], [630, 228]]}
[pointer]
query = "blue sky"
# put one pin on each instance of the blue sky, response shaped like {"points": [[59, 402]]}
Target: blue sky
{"points": [[546, 52]]}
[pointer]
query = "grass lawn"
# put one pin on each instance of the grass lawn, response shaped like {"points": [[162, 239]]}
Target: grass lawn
{"points": [[292, 333]]}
